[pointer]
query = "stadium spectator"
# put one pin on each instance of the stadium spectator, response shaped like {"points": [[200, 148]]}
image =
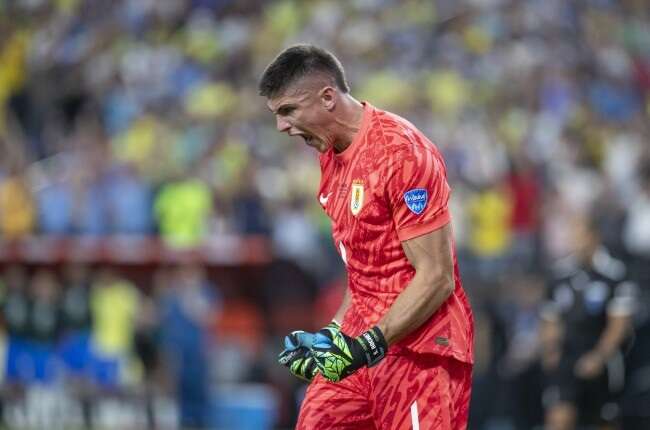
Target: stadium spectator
{"points": [[74, 344], [129, 201], [592, 305], [44, 325], [114, 306], [146, 344], [248, 211], [55, 204], [490, 211], [295, 237], [520, 366], [183, 209], [17, 211], [40, 362], [524, 187], [15, 312], [88, 164], [186, 312]]}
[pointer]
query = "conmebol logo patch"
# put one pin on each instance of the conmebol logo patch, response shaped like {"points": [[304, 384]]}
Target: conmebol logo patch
{"points": [[416, 200]]}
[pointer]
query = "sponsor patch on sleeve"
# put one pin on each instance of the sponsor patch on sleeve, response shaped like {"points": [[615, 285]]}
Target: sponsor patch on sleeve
{"points": [[416, 200]]}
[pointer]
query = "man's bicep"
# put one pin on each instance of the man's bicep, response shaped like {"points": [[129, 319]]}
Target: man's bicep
{"points": [[431, 252]]}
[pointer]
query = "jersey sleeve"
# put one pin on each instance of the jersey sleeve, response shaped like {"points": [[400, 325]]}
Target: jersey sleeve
{"points": [[418, 193], [623, 300]]}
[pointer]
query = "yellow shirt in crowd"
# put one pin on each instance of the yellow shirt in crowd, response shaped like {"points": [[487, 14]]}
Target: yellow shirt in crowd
{"points": [[17, 211], [490, 223], [113, 307]]}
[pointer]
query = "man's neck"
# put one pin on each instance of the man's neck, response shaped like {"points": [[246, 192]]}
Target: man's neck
{"points": [[587, 257], [348, 122]]}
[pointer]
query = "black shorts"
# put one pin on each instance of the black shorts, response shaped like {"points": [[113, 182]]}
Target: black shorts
{"points": [[593, 398]]}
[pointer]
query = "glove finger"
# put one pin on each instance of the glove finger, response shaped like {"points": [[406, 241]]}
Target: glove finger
{"points": [[305, 339], [297, 339], [291, 341], [311, 368], [289, 355], [286, 357], [321, 341]]}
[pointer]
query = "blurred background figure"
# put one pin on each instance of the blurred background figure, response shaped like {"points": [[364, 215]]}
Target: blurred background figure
{"points": [[114, 306], [74, 345], [43, 331], [592, 302], [15, 312], [182, 208], [146, 345], [132, 141], [185, 319], [17, 212]]}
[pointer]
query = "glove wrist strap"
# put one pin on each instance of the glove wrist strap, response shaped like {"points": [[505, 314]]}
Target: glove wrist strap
{"points": [[374, 345]]}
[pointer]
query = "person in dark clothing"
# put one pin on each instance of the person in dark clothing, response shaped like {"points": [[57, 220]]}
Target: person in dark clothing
{"points": [[74, 346], [14, 306], [146, 344], [15, 311], [591, 305], [76, 319], [44, 325], [185, 308], [636, 396]]}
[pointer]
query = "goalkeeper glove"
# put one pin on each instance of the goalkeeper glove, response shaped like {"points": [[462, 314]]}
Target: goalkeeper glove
{"points": [[338, 355], [297, 356]]}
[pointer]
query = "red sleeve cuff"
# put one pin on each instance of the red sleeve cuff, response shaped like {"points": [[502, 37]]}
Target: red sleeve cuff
{"points": [[415, 230]]}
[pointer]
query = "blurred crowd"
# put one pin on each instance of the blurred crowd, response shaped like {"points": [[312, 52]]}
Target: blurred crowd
{"points": [[83, 344], [141, 117]]}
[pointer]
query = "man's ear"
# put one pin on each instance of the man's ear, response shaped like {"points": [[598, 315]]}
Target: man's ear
{"points": [[328, 96]]}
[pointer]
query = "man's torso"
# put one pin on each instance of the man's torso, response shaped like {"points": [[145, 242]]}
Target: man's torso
{"points": [[387, 187]]}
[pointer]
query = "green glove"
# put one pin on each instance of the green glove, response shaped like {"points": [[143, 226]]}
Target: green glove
{"points": [[338, 355], [297, 356]]}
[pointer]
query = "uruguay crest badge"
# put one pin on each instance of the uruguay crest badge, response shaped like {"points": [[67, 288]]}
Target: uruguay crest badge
{"points": [[356, 202]]}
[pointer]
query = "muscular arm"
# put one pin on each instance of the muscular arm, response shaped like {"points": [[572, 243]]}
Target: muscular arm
{"points": [[338, 317], [431, 256]]}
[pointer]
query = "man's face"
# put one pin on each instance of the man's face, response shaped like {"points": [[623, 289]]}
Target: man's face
{"points": [[585, 241], [299, 111]]}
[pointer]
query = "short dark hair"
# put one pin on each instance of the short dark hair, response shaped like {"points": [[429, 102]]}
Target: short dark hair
{"points": [[296, 62]]}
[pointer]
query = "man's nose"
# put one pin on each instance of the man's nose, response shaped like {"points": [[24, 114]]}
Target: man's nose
{"points": [[282, 124]]}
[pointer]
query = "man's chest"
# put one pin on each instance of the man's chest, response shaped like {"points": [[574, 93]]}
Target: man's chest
{"points": [[355, 200]]}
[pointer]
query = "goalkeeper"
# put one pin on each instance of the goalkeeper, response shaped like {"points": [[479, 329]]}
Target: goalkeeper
{"points": [[402, 356]]}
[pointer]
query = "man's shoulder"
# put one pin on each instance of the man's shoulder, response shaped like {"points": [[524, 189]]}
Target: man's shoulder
{"points": [[608, 267], [394, 125], [400, 135]]}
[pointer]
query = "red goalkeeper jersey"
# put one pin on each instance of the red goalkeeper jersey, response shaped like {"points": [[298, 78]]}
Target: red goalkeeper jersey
{"points": [[389, 186]]}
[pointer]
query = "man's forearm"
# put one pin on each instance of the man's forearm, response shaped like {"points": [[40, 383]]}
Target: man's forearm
{"points": [[415, 305], [613, 336], [338, 317]]}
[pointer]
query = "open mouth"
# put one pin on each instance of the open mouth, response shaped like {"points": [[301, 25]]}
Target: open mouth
{"points": [[307, 138]]}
